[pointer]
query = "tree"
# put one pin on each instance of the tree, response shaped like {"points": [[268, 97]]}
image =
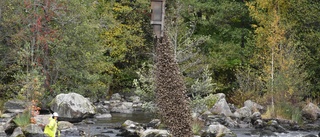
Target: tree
{"points": [[55, 40], [227, 23], [126, 40], [282, 67]]}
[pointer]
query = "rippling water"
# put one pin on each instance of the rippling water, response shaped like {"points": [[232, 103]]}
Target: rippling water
{"points": [[107, 126], [245, 133]]}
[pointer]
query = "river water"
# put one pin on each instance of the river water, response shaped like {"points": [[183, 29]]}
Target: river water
{"points": [[109, 126]]}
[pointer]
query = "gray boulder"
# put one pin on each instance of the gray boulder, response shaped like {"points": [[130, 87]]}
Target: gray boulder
{"points": [[103, 116], [243, 112], [155, 133], [219, 130], [33, 130], [131, 129], [17, 132], [63, 125], [116, 96], [221, 106], [122, 107], [311, 112], [15, 106], [253, 106], [42, 119], [72, 107]]}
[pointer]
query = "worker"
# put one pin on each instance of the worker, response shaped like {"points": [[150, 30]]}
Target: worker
{"points": [[51, 129]]}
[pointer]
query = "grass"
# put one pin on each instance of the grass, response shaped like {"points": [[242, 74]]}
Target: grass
{"points": [[1, 106], [283, 110], [197, 126], [23, 119]]}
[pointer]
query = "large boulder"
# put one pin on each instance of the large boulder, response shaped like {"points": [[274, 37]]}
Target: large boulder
{"points": [[221, 106], [219, 130], [311, 112], [122, 107], [42, 119], [155, 133], [15, 106], [72, 107], [243, 112], [131, 129], [254, 107], [33, 130]]}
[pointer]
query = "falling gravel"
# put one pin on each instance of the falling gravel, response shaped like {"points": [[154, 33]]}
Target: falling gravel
{"points": [[172, 102]]}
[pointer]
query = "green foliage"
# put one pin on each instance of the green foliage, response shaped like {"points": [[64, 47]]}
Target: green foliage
{"points": [[288, 111], [197, 126], [227, 23], [145, 85], [126, 39], [203, 86], [200, 104], [282, 74], [23, 119]]}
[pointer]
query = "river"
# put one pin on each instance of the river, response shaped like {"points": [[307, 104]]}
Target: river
{"points": [[108, 127]]}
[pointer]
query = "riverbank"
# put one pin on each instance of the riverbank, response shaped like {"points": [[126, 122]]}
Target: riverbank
{"points": [[119, 116]]}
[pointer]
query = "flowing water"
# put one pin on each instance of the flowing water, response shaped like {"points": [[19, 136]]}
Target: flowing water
{"points": [[246, 133], [108, 127]]}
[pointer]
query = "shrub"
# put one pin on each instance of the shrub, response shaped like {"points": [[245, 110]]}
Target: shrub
{"points": [[23, 119], [197, 126], [198, 102]]}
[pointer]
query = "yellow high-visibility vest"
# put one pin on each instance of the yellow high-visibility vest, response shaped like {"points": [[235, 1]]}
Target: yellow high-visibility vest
{"points": [[51, 128]]}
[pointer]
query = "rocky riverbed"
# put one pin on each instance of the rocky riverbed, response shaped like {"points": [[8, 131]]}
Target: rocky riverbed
{"points": [[121, 116]]}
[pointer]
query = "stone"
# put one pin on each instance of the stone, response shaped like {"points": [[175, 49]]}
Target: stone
{"points": [[311, 112], [42, 119], [7, 115], [15, 106], [124, 107], [131, 129], [72, 107], [221, 107], [255, 116], [243, 112], [155, 133], [102, 109], [134, 99], [63, 125], [253, 106], [33, 130], [2, 131], [154, 123], [17, 132], [116, 96], [219, 130], [103, 116]]}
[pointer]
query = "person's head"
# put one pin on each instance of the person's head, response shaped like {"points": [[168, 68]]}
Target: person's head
{"points": [[55, 115]]}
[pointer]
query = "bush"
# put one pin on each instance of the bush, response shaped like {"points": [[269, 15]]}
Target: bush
{"points": [[197, 126], [23, 119], [197, 103], [289, 111]]}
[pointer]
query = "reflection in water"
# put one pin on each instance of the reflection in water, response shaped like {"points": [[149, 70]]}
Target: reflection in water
{"points": [[139, 117]]}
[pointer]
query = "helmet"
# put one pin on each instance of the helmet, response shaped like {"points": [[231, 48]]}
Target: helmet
{"points": [[55, 114]]}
